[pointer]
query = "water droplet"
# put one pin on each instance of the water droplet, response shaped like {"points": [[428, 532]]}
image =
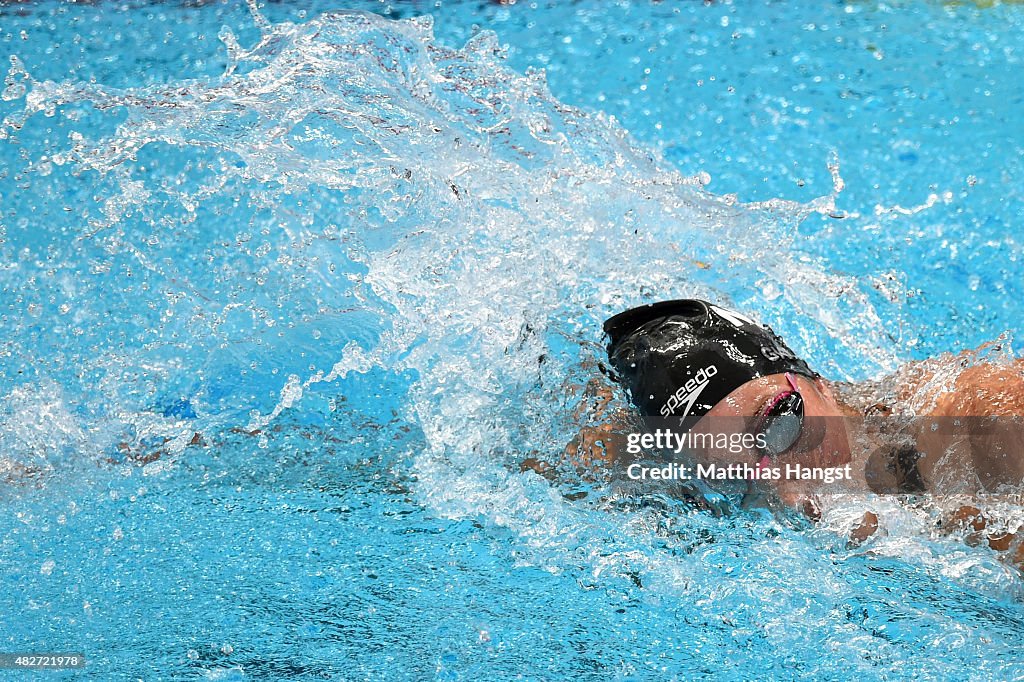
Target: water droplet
{"points": [[13, 91], [771, 291]]}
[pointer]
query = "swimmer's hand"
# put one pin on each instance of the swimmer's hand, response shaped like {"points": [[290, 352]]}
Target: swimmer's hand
{"points": [[595, 446], [973, 524], [602, 440]]}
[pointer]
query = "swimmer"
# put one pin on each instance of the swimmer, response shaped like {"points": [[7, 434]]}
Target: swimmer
{"points": [[700, 366]]}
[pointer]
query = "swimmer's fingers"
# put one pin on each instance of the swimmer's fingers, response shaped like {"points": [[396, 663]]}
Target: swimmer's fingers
{"points": [[866, 528], [593, 446], [1010, 545], [600, 391], [973, 525], [539, 467], [969, 522]]}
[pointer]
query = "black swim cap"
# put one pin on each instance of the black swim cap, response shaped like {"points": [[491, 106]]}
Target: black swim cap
{"points": [[680, 358]]}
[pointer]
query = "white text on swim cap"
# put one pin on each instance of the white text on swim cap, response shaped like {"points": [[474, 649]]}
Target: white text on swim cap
{"points": [[686, 395]]}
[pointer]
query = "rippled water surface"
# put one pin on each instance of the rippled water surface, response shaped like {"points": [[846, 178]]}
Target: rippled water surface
{"points": [[286, 297]]}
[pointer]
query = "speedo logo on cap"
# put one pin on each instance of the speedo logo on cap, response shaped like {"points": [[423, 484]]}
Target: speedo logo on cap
{"points": [[687, 394]]}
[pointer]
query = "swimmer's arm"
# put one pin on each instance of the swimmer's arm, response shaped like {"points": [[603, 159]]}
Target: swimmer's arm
{"points": [[984, 390], [949, 386], [968, 521], [992, 451], [981, 390], [604, 440]]}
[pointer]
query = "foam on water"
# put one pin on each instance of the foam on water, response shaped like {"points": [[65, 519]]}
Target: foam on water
{"points": [[351, 197], [352, 162]]}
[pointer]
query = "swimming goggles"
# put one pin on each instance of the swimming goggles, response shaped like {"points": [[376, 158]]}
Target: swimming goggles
{"points": [[780, 422]]}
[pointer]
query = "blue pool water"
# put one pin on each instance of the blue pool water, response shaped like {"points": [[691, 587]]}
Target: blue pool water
{"points": [[364, 255]]}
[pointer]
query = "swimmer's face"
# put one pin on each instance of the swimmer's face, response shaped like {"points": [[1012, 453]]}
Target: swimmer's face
{"points": [[822, 440]]}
